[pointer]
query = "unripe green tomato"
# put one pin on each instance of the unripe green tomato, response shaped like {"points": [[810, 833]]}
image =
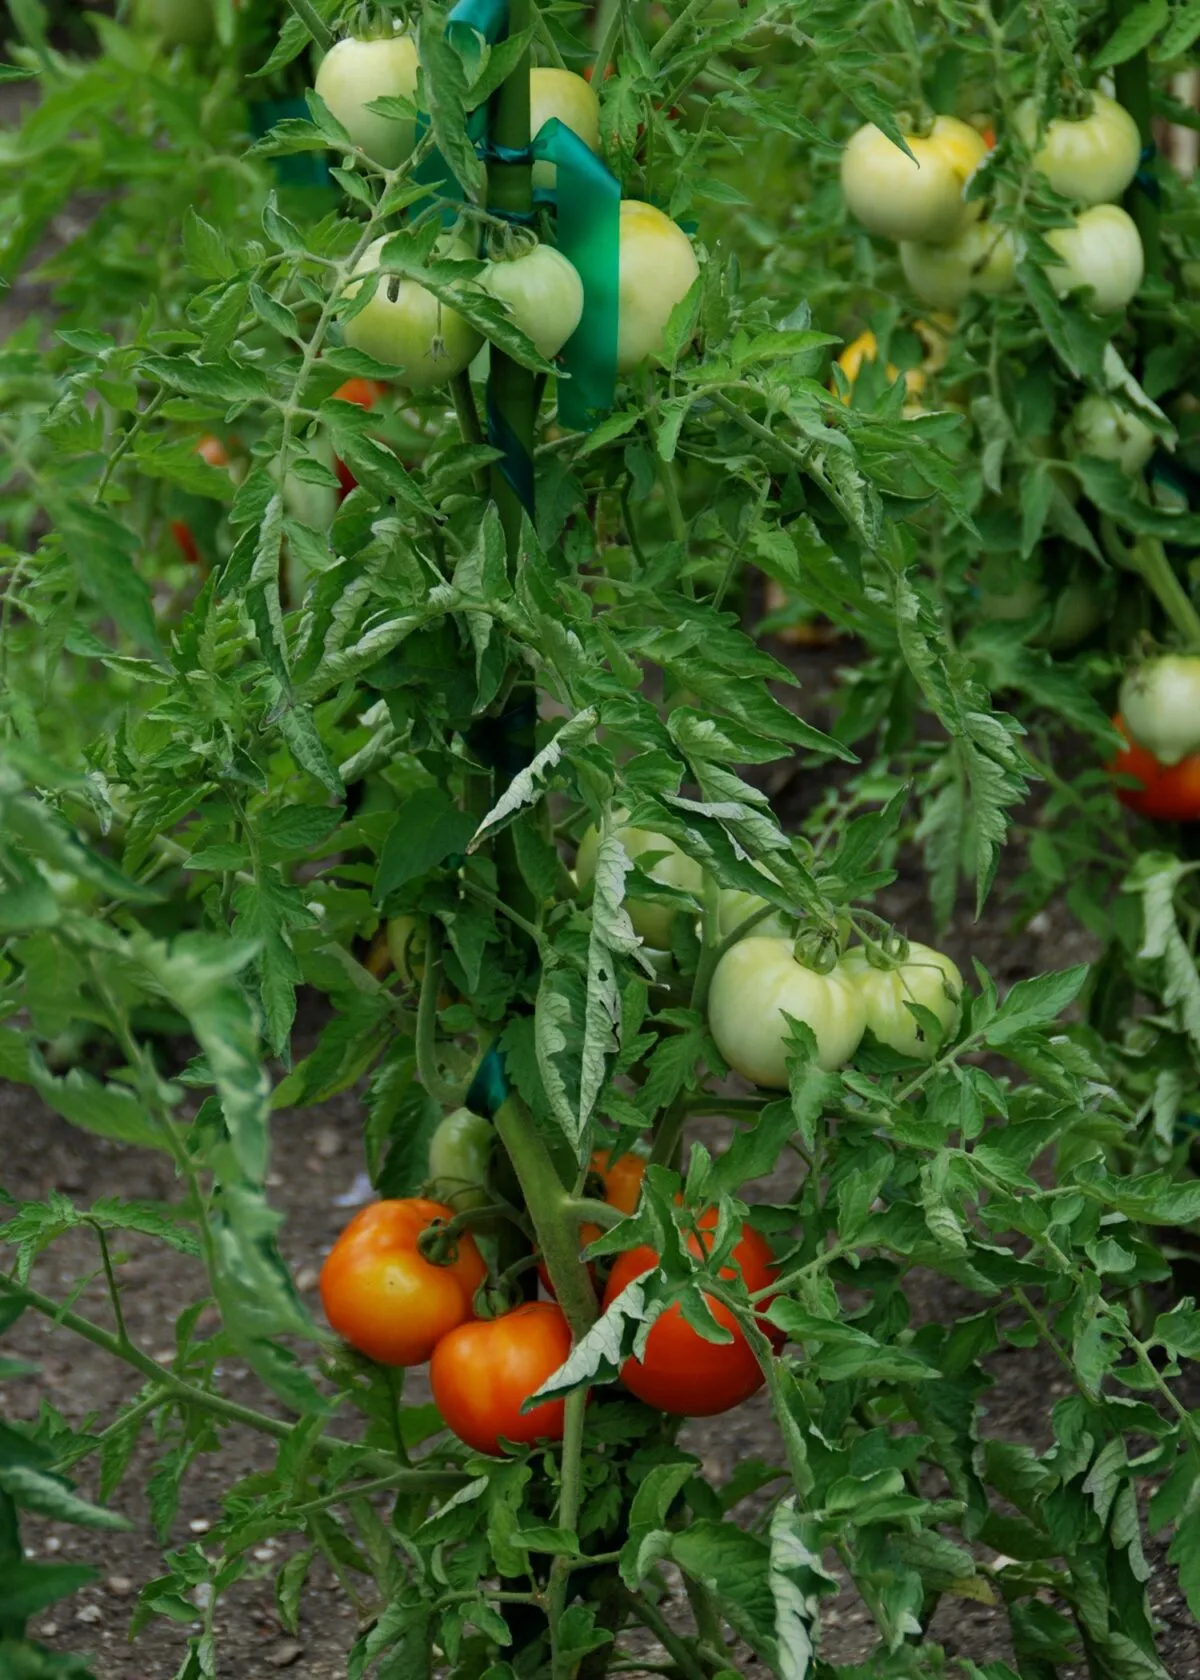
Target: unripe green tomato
{"points": [[1103, 250], [406, 947], [982, 258], [460, 1154], [562, 94], [926, 977], [178, 23], [651, 922], [1079, 611], [407, 328], [353, 73], [543, 292], [1091, 159], [1100, 426], [1160, 703], [754, 985], [657, 269], [895, 198]]}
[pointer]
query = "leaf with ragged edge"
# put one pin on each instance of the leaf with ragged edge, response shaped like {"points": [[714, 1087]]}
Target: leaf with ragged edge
{"points": [[1156, 879], [797, 1580], [612, 935], [446, 95], [529, 785]]}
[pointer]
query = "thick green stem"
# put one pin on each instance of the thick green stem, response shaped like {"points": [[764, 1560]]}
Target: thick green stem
{"points": [[564, 1668], [550, 1208], [1133, 91]]}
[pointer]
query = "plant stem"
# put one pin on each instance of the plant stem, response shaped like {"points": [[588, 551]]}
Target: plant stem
{"points": [[672, 1643], [313, 22], [451, 1095], [555, 1226], [178, 1389], [1132, 79], [568, 1518]]}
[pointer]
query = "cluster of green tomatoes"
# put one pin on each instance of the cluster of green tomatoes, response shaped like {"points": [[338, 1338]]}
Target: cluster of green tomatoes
{"points": [[404, 326]]}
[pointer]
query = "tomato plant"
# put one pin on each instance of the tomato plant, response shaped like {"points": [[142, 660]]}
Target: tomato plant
{"points": [[384, 1296], [518, 447]]}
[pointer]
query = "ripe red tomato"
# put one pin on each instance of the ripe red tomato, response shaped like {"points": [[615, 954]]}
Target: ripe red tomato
{"points": [[383, 1296], [483, 1372], [1169, 793], [363, 393], [622, 1190], [682, 1373]]}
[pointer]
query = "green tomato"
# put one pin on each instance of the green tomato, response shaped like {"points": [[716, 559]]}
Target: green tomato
{"points": [[982, 258], [1100, 426], [897, 198], [926, 977], [407, 328], [352, 74], [1160, 703], [759, 981], [562, 94], [179, 23], [651, 922], [1080, 610], [460, 1153], [1102, 250], [733, 907], [657, 267], [543, 292], [1091, 159]]}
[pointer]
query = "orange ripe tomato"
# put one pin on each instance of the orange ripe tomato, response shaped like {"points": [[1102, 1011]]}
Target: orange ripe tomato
{"points": [[213, 451], [483, 1372], [622, 1189], [680, 1372], [382, 1294], [1168, 793]]}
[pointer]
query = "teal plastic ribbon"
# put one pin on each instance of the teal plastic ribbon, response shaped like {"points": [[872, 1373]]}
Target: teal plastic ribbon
{"points": [[489, 1088], [588, 222]]}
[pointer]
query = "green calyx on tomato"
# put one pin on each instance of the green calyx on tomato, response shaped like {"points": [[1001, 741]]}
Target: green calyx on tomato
{"points": [[681, 1372], [1160, 702], [381, 1293], [913, 198], [1101, 251], [657, 268], [543, 294], [483, 1372], [1100, 426], [460, 1156], [757, 983], [1163, 793], [405, 327], [1091, 158], [562, 94], [673, 868], [982, 258], [920, 976], [353, 74]]}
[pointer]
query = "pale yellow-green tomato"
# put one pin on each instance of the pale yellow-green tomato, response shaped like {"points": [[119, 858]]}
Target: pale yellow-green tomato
{"points": [[353, 73], [755, 985], [980, 259], [1102, 249], [406, 327], [1091, 158], [562, 94], [651, 922], [1160, 703], [543, 292], [1099, 426], [406, 947], [926, 977], [733, 907], [657, 267], [897, 198]]}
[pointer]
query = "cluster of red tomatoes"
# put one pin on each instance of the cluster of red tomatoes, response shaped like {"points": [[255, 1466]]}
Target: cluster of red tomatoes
{"points": [[403, 325], [948, 249], [402, 1302], [1160, 720]]}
